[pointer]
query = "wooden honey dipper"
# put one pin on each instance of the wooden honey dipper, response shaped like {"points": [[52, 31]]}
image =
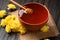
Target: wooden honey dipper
{"points": [[28, 10]]}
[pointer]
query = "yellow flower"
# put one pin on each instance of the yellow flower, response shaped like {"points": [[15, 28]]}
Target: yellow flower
{"points": [[14, 30], [3, 23], [8, 29], [11, 6], [22, 30], [2, 13], [9, 17], [13, 24], [45, 28], [46, 39]]}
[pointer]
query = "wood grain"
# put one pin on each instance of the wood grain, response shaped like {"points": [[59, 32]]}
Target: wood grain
{"points": [[38, 35]]}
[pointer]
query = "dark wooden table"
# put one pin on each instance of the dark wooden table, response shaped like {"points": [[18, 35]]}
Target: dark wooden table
{"points": [[53, 6]]}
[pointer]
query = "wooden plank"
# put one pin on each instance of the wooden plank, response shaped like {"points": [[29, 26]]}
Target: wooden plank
{"points": [[38, 35], [3, 34]]}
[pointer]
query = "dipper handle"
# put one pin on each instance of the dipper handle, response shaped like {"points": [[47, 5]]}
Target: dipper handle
{"points": [[18, 4], [28, 10]]}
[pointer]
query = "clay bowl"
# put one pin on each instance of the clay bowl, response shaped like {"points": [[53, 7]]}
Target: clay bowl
{"points": [[37, 19]]}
